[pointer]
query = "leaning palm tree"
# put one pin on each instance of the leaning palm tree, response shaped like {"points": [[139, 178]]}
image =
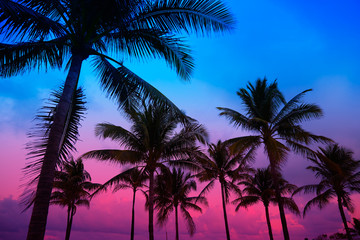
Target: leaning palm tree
{"points": [[72, 188], [260, 188], [64, 33], [277, 125], [151, 142], [339, 175], [39, 138], [171, 194], [223, 166], [133, 179]]}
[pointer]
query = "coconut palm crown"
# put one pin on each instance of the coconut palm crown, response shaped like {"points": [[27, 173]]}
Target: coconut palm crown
{"points": [[153, 142], [72, 188], [133, 179], [276, 124], [259, 187], [172, 194], [339, 176], [223, 166], [63, 33]]}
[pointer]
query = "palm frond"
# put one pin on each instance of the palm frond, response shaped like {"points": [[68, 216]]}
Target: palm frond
{"points": [[301, 113], [276, 151], [240, 144], [290, 204], [22, 57], [115, 156], [289, 106], [236, 118], [201, 16], [320, 201], [119, 134], [190, 224], [19, 21], [245, 201], [127, 88], [145, 43], [40, 137], [206, 189]]}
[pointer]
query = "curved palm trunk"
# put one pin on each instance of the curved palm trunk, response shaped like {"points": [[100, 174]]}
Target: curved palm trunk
{"points": [[279, 200], [268, 222], [151, 205], [133, 216], [40, 210], [224, 210], [71, 213], [176, 223], [348, 235]]}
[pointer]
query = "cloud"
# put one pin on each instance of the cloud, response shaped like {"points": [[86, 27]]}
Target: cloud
{"points": [[13, 223]]}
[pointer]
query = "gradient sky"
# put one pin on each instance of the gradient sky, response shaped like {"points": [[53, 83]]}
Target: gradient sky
{"points": [[303, 44]]}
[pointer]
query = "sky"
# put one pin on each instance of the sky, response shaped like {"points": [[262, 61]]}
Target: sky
{"points": [[303, 44]]}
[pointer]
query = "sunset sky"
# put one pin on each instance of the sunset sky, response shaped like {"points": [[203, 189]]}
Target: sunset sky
{"points": [[303, 44]]}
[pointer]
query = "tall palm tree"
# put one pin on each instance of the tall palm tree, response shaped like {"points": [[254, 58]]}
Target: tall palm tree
{"points": [[171, 194], [276, 124], [72, 188], [339, 175], [259, 188], [223, 166], [133, 179], [151, 142], [39, 138], [64, 33]]}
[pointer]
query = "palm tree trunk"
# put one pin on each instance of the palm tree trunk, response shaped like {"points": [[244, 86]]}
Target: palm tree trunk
{"points": [[69, 224], [275, 177], [343, 217], [268, 222], [133, 216], [224, 210], [68, 221], [151, 205], [38, 219], [176, 223]]}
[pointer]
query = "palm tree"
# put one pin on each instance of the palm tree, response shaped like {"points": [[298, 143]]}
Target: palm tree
{"points": [[223, 166], [132, 179], [72, 188], [260, 188], [356, 226], [171, 193], [56, 34], [339, 176], [277, 124], [39, 138], [152, 141]]}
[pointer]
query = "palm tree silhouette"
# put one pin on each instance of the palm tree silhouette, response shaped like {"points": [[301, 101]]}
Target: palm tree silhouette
{"points": [[277, 123], [171, 193], [223, 166], [133, 179], [72, 188], [54, 34], [39, 138], [260, 188], [356, 226], [339, 176], [152, 141]]}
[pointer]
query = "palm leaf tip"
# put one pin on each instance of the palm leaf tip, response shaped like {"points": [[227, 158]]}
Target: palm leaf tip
{"points": [[39, 138], [202, 16]]}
